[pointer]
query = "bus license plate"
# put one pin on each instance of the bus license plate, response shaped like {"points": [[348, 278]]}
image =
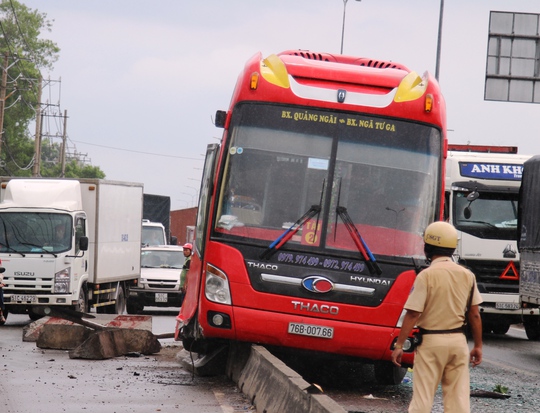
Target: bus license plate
{"points": [[311, 330], [161, 297], [507, 306], [15, 298]]}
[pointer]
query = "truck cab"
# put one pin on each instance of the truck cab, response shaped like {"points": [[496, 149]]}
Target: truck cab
{"points": [[481, 201], [153, 233], [41, 246]]}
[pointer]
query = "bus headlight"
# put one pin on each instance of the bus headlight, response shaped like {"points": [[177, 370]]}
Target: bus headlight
{"points": [[62, 282], [216, 287], [408, 345]]}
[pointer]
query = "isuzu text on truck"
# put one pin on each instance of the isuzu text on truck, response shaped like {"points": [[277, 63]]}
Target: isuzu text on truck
{"points": [[71, 243], [313, 206], [482, 185]]}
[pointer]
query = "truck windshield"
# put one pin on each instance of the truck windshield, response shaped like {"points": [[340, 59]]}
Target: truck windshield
{"points": [[492, 216], [162, 259], [27, 232], [152, 235], [282, 161]]}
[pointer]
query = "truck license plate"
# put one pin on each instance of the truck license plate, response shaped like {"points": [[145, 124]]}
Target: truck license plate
{"points": [[507, 306], [23, 298], [311, 330], [161, 297]]}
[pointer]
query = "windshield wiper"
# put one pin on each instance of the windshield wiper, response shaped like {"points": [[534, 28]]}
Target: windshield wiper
{"points": [[369, 258], [11, 249], [487, 224], [293, 229]]}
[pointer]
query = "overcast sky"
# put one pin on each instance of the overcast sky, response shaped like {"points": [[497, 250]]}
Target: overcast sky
{"points": [[141, 81]]}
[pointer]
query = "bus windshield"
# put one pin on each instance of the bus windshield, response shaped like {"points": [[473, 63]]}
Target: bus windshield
{"points": [[281, 161]]}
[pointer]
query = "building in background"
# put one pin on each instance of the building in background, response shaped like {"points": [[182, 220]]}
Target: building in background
{"points": [[183, 224]]}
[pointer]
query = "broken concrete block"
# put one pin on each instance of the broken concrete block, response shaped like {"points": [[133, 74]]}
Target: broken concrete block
{"points": [[62, 337]]}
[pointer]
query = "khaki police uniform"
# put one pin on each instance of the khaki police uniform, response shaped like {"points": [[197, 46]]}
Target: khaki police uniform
{"points": [[441, 294]]}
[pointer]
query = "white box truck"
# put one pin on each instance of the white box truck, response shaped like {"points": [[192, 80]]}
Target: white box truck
{"points": [[69, 242], [482, 189]]}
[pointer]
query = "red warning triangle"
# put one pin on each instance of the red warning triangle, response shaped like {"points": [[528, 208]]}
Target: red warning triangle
{"points": [[510, 272]]}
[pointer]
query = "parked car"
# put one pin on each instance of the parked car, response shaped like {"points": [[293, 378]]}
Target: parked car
{"points": [[159, 284]]}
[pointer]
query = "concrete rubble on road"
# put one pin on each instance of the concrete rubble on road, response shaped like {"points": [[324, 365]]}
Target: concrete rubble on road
{"points": [[102, 338]]}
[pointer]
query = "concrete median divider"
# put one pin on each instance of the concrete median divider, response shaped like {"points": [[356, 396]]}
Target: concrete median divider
{"points": [[272, 386]]}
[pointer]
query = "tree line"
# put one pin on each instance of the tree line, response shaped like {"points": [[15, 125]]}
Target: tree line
{"points": [[24, 54]]}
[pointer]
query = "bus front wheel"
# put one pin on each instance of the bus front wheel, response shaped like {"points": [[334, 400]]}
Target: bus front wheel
{"points": [[387, 373]]}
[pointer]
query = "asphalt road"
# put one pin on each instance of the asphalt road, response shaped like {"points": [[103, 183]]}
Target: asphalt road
{"points": [[36, 380], [45, 381]]}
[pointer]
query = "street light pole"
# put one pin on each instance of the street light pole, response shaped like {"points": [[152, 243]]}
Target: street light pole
{"points": [[195, 189], [439, 40], [343, 25]]}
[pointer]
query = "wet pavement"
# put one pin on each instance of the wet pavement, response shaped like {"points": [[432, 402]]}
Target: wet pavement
{"points": [[36, 380], [45, 381]]}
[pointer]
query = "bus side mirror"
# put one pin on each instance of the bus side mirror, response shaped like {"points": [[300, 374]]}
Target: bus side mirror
{"points": [[83, 243], [221, 117]]}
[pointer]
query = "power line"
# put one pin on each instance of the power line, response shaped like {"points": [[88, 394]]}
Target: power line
{"points": [[144, 153]]}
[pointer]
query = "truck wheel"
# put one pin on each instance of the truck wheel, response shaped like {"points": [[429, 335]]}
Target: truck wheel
{"points": [[500, 328], [532, 327], [134, 307], [82, 302], [5, 313], [120, 305], [387, 373], [34, 316]]}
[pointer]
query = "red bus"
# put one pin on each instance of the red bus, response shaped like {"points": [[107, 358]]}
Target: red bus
{"points": [[312, 208]]}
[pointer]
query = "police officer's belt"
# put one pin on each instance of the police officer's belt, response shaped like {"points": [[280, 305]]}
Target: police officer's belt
{"points": [[454, 330]]}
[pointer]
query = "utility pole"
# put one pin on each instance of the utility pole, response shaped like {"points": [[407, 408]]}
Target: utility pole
{"points": [[3, 87], [37, 144], [63, 151]]}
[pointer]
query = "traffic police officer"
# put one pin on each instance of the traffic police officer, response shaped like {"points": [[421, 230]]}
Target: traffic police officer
{"points": [[437, 306]]}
